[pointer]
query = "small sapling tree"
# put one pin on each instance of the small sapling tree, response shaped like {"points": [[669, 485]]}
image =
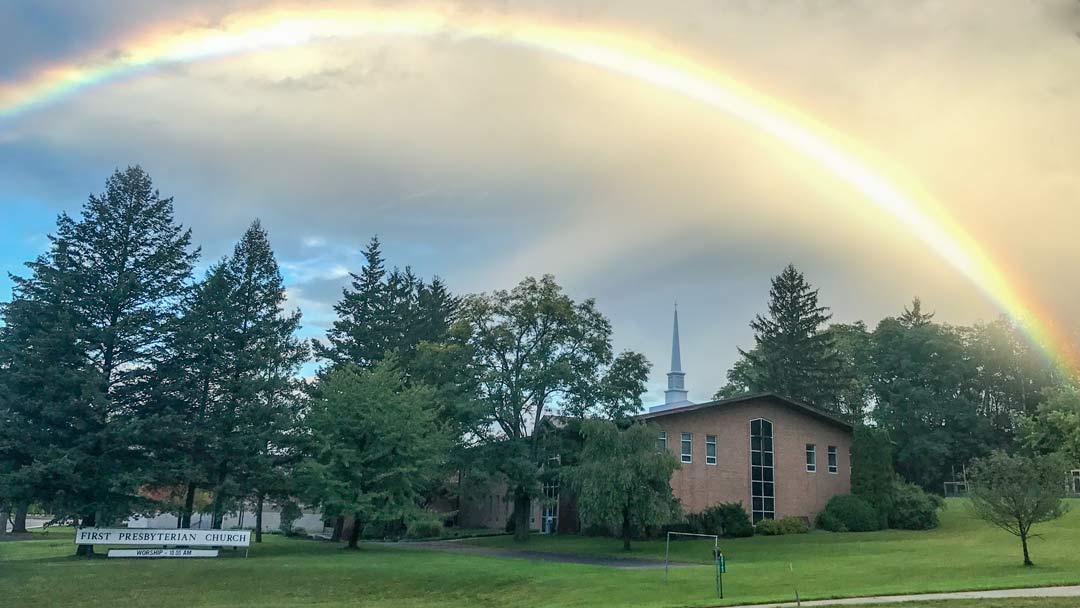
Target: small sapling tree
{"points": [[1016, 492]]}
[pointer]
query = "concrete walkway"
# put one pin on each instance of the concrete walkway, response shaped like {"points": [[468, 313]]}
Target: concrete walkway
{"points": [[456, 546], [1035, 592]]}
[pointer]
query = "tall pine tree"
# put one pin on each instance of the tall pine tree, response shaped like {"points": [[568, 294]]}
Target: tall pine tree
{"points": [[129, 263], [793, 356], [232, 382]]}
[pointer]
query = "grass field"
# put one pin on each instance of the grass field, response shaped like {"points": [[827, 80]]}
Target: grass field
{"points": [[962, 554]]}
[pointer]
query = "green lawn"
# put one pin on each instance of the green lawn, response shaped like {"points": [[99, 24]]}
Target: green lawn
{"points": [[963, 554]]}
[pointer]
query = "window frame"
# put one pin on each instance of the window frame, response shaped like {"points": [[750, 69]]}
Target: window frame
{"points": [[710, 442], [686, 448], [661, 442], [811, 458], [833, 461], [762, 476]]}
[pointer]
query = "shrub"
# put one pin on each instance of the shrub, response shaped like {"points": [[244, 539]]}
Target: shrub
{"points": [[848, 513], [736, 520], [290, 512], [725, 519], [828, 521], [786, 525], [425, 526], [912, 508]]}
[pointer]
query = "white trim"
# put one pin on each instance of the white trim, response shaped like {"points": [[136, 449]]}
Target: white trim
{"points": [[684, 456], [811, 449], [713, 444]]}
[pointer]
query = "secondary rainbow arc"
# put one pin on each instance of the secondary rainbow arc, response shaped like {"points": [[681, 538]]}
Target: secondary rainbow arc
{"points": [[602, 48]]}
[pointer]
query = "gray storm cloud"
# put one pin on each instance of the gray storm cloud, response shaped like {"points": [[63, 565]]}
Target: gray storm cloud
{"points": [[483, 163]]}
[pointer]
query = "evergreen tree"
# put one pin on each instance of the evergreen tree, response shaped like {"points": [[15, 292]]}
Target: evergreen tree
{"points": [[134, 262], [374, 446], [387, 312], [792, 355], [47, 389], [231, 380]]}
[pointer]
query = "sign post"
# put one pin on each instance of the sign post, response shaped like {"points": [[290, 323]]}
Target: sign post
{"points": [[721, 568]]}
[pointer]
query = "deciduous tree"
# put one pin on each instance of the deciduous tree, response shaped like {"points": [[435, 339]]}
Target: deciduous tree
{"points": [[622, 482], [374, 446], [1016, 492]]}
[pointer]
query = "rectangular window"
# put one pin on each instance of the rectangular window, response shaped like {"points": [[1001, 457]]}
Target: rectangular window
{"points": [[762, 482], [710, 449], [687, 448], [811, 458], [833, 467], [661, 442]]}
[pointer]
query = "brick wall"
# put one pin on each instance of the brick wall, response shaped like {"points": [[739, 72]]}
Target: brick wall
{"points": [[798, 493]]}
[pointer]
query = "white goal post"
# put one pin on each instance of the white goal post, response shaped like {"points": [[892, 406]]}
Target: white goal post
{"points": [[667, 547]]}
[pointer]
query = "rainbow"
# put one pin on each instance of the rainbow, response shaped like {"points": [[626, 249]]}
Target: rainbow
{"points": [[604, 48]]}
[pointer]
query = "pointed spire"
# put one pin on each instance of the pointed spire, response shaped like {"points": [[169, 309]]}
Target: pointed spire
{"points": [[676, 387], [676, 355]]}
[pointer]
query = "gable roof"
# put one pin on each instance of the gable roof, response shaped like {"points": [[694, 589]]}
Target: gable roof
{"points": [[772, 397]]}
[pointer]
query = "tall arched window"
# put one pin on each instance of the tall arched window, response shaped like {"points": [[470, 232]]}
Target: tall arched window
{"points": [[762, 471]]}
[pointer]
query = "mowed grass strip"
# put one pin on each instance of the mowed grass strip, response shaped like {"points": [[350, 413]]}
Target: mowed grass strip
{"points": [[963, 554]]}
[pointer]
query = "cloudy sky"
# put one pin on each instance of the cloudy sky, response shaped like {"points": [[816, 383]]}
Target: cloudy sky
{"points": [[484, 163]]}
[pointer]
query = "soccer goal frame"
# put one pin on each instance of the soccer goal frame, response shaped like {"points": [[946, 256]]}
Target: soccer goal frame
{"points": [[716, 557]]}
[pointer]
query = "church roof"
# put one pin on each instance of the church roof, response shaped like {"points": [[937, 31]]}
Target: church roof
{"points": [[773, 397]]}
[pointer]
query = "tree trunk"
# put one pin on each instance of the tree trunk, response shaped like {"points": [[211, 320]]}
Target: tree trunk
{"points": [[3, 519], [339, 527], [625, 531], [1027, 557], [19, 524], [219, 501], [88, 521], [354, 535], [258, 517], [522, 507], [189, 505]]}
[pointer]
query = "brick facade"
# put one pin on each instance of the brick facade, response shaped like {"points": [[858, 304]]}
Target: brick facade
{"points": [[699, 485]]}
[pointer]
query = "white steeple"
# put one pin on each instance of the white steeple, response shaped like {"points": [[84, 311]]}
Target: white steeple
{"points": [[676, 386]]}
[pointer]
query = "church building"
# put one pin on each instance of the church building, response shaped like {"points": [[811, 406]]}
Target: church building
{"points": [[776, 456]]}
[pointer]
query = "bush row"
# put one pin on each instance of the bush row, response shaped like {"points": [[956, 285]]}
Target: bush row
{"points": [[908, 508]]}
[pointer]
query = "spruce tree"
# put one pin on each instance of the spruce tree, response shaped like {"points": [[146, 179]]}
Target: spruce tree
{"points": [[232, 382], [792, 355], [387, 312], [131, 263], [358, 335], [48, 397]]}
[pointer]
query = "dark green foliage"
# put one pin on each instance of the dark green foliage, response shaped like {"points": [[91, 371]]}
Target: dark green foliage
{"points": [[728, 519], [105, 292], [912, 508], [848, 513], [290, 512], [375, 447], [621, 481], [529, 347], [1016, 492], [779, 527], [872, 475], [387, 312], [923, 384], [793, 356], [230, 380], [853, 345]]}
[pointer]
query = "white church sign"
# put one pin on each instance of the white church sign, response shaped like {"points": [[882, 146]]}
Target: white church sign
{"points": [[162, 538]]}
